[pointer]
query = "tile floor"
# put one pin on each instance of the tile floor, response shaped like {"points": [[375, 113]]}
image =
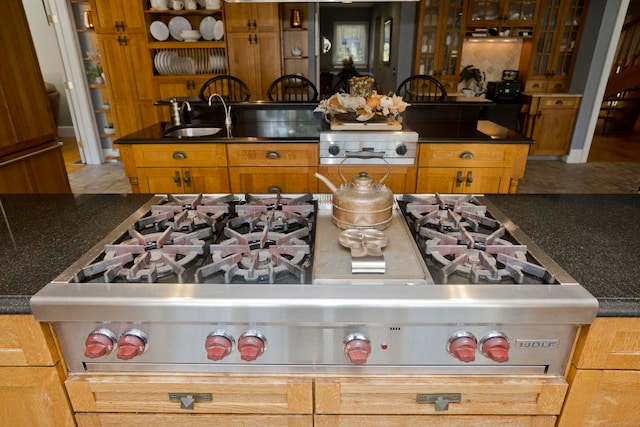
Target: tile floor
{"points": [[618, 172]]}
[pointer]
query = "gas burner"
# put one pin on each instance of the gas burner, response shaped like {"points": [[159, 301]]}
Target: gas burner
{"points": [[274, 213], [186, 213], [448, 213], [258, 257], [481, 256], [145, 258]]}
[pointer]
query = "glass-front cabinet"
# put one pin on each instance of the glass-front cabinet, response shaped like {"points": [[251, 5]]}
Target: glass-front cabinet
{"points": [[555, 43], [440, 36]]}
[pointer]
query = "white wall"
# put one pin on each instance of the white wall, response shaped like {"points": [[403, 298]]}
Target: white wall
{"points": [[46, 44]]}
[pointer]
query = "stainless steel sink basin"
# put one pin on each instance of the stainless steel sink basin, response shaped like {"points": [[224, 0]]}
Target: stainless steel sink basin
{"points": [[192, 132]]}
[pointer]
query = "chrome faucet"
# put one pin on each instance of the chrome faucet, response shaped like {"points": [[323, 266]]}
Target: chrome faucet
{"points": [[227, 111], [176, 111]]}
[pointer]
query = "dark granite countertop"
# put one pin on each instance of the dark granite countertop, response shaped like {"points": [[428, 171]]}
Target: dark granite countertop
{"points": [[593, 237]]}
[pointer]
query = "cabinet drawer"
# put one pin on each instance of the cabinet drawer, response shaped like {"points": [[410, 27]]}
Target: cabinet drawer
{"points": [[434, 420], [610, 343], [179, 155], [273, 180], [273, 155], [478, 395], [193, 420], [467, 155], [548, 102], [25, 342], [228, 394]]}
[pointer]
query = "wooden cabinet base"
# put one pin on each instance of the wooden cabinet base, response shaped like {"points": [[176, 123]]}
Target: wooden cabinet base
{"points": [[432, 421], [192, 420], [37, 170]]}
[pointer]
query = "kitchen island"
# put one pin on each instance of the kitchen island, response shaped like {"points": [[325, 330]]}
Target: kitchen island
{"points": [[44, 234]]}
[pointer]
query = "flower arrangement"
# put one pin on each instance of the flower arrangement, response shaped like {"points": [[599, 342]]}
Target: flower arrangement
{"points": [[364, 109]]}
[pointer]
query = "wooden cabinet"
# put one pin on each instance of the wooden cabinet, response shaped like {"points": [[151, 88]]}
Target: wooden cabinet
{"points": [[269, 168], [176, 168], [122, 41], [253, 40], [402, 179], [478, 401], [550, 122], [501, 14], [31, 389], [555, 43], [605, 375], [470, 168], [440, 33]]}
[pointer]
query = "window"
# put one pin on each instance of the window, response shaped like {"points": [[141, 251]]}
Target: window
{"points": [[352, 40]]}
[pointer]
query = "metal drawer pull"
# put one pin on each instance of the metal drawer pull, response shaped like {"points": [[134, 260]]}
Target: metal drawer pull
{"points": [[176, 179], [559, 102], [273, 155], [441, 401], [188, 400], [274, 189], [466, 155], [179, 155], [459, 179], [469, 178], [187, 178]]}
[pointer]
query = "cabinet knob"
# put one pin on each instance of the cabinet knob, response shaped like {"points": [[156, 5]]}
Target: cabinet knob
{"points": [[469, 178], [187, 178], [466, 155], [248, 25], [459, 179], [177, 179], [179, 155], [273, 155], [255, 25]]}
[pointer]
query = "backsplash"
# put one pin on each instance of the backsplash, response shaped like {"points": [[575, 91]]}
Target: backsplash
{"points": [[492, 56]]}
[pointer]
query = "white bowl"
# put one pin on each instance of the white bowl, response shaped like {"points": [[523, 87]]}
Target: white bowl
{"points": [[190, 35]]}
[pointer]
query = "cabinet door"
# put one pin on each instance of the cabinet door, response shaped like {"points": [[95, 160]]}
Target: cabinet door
{"points": [[494, 395], [602, 398], [273, 180], [118, 16], [193, 420], [24, 341], [183, 180], [433, 421], [33, 396], [402, 179], [250, 17], [244, 61], [552, 131], [440, 41], [455, 180]]}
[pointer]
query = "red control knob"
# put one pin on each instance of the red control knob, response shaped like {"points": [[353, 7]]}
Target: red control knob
{"points": [[357, 348], [496, 348], [131, 344], [463, 348], [251, 345], [99, 343], [219, 345]]}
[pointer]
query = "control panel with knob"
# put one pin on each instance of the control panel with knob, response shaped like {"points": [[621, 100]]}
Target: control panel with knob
{"points": [[462, 345], [219, 344], [401, 149], [357, 348], [132, 343], [99, 343], [334, 150], [495, 346], [251, 345]]}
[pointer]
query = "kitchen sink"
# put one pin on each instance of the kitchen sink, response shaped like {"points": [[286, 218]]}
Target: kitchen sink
{"points": [[191, 132]]}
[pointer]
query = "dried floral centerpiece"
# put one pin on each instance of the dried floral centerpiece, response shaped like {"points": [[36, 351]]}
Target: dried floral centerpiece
{"points": [[372, 108]]}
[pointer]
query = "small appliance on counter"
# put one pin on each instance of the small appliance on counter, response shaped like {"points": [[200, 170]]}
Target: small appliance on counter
{"points": [[506, 95]]}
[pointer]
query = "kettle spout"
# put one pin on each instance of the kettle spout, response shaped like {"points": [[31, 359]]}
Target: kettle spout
{"points": [[328, 183]]}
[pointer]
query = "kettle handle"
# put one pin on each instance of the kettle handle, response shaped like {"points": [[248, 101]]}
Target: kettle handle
{"points": [[365, 154]]}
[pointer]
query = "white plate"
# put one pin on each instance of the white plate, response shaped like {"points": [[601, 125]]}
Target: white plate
{"points": [[218, 30], [159, 30], [207, 27], [177, 24]]}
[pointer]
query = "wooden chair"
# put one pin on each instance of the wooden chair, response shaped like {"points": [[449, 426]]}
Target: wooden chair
{"points": [[421, 88], [230, 88], [292, 88]]}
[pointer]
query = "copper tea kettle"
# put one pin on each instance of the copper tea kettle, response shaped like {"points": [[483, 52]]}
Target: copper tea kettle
{"points": [[361, 203]]}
